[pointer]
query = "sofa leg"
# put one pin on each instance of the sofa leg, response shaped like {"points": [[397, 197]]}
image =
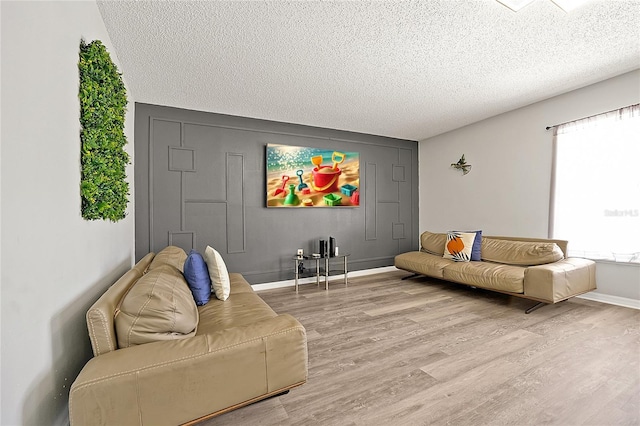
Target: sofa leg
{"points": [[534, 307], [409, 277], [279, 394]]}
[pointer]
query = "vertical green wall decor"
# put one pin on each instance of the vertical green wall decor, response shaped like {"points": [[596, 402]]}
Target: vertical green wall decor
{"points": [[103, 100]]}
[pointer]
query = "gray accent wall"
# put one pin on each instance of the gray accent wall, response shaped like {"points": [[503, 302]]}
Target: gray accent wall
{"points": [[200, 180]]}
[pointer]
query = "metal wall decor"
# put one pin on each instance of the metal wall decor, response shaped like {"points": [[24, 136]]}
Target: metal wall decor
{"points": [[462, 165]]}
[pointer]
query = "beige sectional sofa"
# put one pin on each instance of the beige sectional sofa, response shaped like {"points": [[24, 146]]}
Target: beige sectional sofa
{"points": [[532, 268], [239, 351]]}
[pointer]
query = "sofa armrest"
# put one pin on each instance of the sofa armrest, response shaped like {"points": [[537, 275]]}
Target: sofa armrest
{"points": [[172, 382], [560, 280]]}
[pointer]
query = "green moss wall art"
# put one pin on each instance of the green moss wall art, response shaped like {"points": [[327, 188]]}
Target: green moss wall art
{"points": [[103, 100]]}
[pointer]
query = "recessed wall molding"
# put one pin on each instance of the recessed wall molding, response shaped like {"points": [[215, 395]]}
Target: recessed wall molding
{"points": [[236, 224], [183, 239], [182, 159], [280, 133], [399, 173], [397, 231], [371, 201]]}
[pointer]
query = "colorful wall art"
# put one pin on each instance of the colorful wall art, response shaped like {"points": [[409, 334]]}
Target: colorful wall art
{"points": [[312, 177]]}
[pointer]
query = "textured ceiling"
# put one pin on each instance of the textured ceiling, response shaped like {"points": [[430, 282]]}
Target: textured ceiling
{"points": [[403, 69]]}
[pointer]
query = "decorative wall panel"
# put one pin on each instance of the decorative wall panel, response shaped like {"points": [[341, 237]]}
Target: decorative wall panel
{"points": [[199, 181], [398, 231], [182, 239], [235, 203], [399, 173], [182, 159], [370, 202]]}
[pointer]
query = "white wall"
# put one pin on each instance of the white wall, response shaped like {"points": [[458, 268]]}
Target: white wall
{"points": [[54, 263], [508, 189]]}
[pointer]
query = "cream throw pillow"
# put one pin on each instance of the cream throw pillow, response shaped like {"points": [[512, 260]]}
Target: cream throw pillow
{"points": [[459, 246], [218, 273]]}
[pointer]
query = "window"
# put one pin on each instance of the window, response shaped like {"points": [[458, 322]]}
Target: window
{"points": [[596, 195]]}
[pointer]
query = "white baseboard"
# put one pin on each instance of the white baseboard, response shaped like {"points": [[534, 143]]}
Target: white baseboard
{"points": [[612, 300], [312, 280]]}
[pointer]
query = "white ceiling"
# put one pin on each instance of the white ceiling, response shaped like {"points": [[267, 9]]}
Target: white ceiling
{"points": [[409, 70]]}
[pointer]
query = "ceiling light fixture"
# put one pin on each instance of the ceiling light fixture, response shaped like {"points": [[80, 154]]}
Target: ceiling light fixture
{"points": [[566, 5], [569, 5], [516, 5]]}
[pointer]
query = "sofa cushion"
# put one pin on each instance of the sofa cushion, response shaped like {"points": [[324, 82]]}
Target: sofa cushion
{"points": [[159, 306], [218, 273], [459, 246], [494, 276], [433, 243], [243, 307], [239, 310], [197, 276], [520, 252], [170, 255], [423, 263]]}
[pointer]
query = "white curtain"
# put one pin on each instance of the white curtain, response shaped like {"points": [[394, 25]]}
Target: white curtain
{"points": [[596, 194]]}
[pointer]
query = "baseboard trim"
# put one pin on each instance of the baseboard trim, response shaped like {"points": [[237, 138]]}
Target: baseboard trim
{"points": [[611, 300], [312, 280]]}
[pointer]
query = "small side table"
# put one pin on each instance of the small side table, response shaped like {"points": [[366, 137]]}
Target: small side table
{"points": [[299, 259], [326, 268]]}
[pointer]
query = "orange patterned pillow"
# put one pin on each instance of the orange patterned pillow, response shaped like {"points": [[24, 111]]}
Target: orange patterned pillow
{"points": [[459, 246]]}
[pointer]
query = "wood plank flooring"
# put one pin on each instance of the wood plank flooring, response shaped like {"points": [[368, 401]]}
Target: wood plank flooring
{"points": [[424, 352]]}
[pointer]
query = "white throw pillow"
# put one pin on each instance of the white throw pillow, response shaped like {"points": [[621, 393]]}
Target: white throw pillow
{"points": [[218, 273]]}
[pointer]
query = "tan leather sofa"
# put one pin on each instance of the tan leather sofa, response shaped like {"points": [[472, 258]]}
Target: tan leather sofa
{"points": [[532, 268], [241, 352]]}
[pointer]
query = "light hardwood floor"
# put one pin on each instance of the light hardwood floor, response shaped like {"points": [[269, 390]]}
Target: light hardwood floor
{"points": [[417, 352]]}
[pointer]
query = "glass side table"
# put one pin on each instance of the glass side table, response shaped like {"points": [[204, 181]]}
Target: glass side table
{"points": [[300, 259], [327, 271]]}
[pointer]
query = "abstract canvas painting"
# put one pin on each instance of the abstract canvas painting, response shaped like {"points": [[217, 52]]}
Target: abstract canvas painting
{"points": [[312, 177]]}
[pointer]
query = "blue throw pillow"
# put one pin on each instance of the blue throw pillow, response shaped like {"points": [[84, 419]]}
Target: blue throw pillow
{"points": [[197, 276], [477, 245]]}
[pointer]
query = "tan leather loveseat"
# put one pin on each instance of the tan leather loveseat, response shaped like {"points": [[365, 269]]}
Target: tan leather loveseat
{"points": [[240, 351], [532, 268]]}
